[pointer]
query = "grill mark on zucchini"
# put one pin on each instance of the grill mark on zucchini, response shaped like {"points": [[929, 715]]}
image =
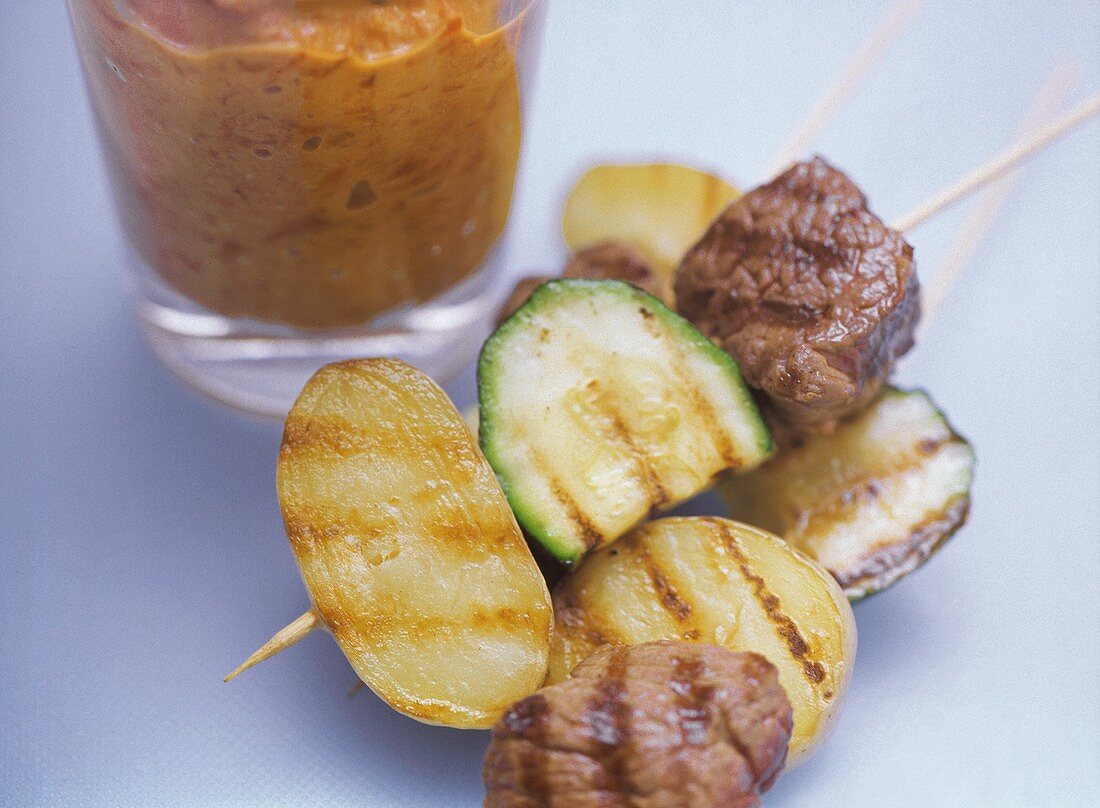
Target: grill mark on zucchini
{"points": [[588, 532], [698, 403], [620, 435], [785, 627], [902, 558], [589, 535], [863, 489]]}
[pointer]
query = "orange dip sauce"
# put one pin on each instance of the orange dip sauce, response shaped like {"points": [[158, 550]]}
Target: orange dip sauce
{"points": [[308, 163]]}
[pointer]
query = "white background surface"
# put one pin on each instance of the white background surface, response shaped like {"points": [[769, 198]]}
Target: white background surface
{"points": [[140, 543]]}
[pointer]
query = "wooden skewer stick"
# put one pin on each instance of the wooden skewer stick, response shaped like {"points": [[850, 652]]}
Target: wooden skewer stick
{"points": [[998, 166], [850, 77], [1050, 98], [285, 638]]}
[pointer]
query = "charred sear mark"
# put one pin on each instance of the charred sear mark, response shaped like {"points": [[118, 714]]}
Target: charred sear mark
{"points": [[527, 720], [692, 701], [658, 495], [527, 717], [582, 623], [515, 620], [666, 593], [621, 435], [785, 627], [379, 623], [607, 718], [311, 529], [589, 534], [894, 560], [700, 405], [330, 433], [867, 488]]}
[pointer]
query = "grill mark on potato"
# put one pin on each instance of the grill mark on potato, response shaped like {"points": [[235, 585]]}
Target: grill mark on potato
{"points": [[785, 627], [333, 436], [667, 595], [582, 623], [313, 529], [329, 433], [382, 622], [454, 532], [698, 402]]}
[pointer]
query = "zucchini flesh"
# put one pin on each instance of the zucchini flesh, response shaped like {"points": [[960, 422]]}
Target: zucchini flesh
{"points": [[871, 502], [599, 405]]}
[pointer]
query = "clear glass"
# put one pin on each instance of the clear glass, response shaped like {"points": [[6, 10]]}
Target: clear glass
{"points": [[301, 181]]}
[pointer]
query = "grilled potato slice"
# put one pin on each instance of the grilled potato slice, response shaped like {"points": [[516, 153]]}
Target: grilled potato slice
{"points": [[406, 543], [713, 580], [871, 502], [661, 209], [600, 405]]}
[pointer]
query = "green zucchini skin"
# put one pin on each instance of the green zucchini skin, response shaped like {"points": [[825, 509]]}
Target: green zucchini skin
{"points": [[871, 502], [622, 363]]}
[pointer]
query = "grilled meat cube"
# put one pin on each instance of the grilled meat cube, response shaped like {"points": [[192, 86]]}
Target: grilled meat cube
{"points": [[812, 293]]}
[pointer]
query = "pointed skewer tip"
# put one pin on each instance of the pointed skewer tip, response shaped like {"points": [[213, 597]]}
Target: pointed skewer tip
{"points": [[283, 639]]}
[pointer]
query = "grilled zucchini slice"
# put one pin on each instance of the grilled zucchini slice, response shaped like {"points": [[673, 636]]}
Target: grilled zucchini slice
{"points": [[599, 405], [871, 502], [405, 541], [712, 580]]}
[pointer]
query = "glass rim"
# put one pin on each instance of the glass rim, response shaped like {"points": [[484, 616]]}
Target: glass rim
{"points": [[511, 15]]}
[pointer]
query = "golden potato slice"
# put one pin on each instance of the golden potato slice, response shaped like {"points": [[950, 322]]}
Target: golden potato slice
{"points": [[411, 555], [659, 208], [717, 581], [871, 502]]}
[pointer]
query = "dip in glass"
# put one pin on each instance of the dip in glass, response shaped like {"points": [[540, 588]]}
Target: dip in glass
{"points": [[305, 180]]}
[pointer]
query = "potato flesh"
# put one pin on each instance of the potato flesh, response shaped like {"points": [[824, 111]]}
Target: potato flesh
{"points": [[607, 412], [713, 580], [872, 501], [659, 208], [407, 545]]}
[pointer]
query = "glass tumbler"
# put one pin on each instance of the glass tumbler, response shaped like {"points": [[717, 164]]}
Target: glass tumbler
{"points": [[301, 181]]}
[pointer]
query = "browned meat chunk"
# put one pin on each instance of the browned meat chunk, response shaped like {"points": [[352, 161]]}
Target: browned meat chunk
{"points": [[812, 294], [660, 725], [614, 261], [607, 261]]}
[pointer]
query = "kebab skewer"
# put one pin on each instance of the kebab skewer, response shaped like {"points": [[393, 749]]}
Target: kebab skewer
{"points": [[816, 298], [305, 624]]}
